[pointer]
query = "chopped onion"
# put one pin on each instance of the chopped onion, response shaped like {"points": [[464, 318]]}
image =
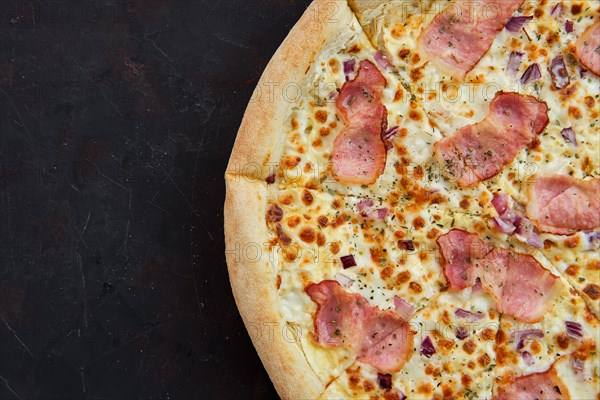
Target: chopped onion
{"points": [[504, 226], [403, 308], [516, 23], [406, 245], [427, 348], [402, 395], [388, 135], [569, 26], [461, 313], [531, 74], [528, 359], [348, 261], [569, 135], [500, 203], [556, 10], [349, 69], [514, 62], [574, 329], [384, 380], [593, 239], [274, 213], [559, 73], [344, 280], [461, 333], [382, 61], [520, 336], [527, 233], [366, 208], [577, 364], [270, 179]]}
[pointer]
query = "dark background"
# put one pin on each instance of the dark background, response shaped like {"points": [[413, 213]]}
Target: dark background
{"points": [[116, 122]]}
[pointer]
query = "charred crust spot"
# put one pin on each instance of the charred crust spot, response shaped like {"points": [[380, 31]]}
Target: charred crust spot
{"points": [[290, 162], [403, 54], [323, 220], [334, 248], [593, 291], [488, 334], [572, 242], [321, 239], [469, 346], [418, 223], [563, 340], [403, 277], [324, 131], [321, 116], [572, 270], [415, 287], [484, 360], [386, 272], [308, 235], [274, 213], [293, 221], [307, 197], [282, 236]]}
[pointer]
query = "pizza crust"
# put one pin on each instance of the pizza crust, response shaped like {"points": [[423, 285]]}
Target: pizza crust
{"points": [[253, 280], [259, 141]]}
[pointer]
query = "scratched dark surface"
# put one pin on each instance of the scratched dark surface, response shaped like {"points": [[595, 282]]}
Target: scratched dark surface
{"points": [[116, 122]]}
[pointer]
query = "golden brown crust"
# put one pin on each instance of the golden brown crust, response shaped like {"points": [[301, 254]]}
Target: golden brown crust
{"points": [[260, 138], [253, 280]]}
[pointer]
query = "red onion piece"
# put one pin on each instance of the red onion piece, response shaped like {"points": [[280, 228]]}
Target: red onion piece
{"points": [[348, 261], [520, 336], [462, 313], [388, 135], [556, 10], [569, 26], [504, 226], [514, 62], [403, 308], [516, 23], [531, 74], [382, 61], [569, 135], [384, 380], [574, 329], [559, 73], [527, 231], [274, 213], [270, 179], [500, 203], [593, 239], [427, 348], [577, 364], [349, 69], [527, 358], [366, 208], [406, 245], [344, 280], [461, 333]]}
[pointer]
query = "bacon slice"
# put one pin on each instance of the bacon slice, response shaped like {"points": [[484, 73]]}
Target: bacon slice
{"points": [[463, 32], [587, 48], [562, 204], [543, 385], [519, 284], [359, 151], [478, 152], [379, 338]]}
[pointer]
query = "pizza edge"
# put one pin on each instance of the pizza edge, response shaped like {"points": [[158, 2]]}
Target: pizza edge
{"points": [[258, 143]]}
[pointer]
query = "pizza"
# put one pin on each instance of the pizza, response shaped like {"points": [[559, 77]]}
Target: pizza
{"points": [[413, 202]]}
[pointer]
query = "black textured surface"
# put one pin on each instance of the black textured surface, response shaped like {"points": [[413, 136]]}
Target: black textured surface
{"points": [[116, 122]]}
